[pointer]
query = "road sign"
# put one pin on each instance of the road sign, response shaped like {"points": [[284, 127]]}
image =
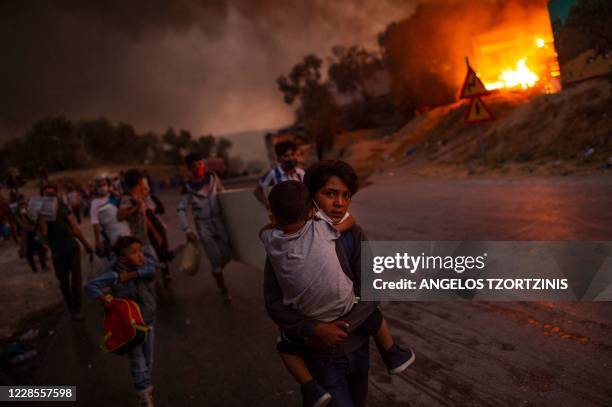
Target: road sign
{"points": [[478, 112], [472, 86]]}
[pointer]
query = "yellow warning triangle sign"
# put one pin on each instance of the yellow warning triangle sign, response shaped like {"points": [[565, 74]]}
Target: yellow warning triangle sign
{"points": [[472, 86], [478, 112]]}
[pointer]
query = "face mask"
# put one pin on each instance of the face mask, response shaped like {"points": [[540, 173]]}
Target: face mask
{"points": [[199, 172], [289, 164], [102, 191], [323, 216]]}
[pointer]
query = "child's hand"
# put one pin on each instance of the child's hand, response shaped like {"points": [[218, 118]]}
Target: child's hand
{"points": [[127, 276], [106, 301], [346, 225], [331, 334]]}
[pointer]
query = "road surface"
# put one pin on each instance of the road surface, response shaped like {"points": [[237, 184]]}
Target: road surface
{"points": [[472, 353]]}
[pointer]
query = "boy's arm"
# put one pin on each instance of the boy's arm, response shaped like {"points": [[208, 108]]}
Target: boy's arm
{"points": [[181, 211], [268, 226], [127, 209], [93, 288], [347, 224], [259, 191], [220, 187], [261, 197], [148, 270], [76, 231]]}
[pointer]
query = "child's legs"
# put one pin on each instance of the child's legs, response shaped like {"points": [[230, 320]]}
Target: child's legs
{"points": [[30, 251], [148, 347], [140, 362], [214, 239], [291, 351], [377, 326], [296, 366], [76, 280], [383, 337]]}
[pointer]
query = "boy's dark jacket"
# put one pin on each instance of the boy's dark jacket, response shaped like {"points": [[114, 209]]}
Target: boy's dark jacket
{"points": [[294, 324]]}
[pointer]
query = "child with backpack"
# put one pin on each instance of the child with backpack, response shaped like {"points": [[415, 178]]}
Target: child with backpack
{"points": [[131, 279]]}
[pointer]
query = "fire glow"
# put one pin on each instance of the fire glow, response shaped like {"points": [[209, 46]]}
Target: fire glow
{"points": [[522, 77], [515, 59]]}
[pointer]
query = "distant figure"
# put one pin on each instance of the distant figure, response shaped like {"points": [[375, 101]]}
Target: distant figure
{"points": [[155, 208], [30, 239], [61, 235], [286, 170], [200, 193], [133, 209], [73, 198], [103, 216]]}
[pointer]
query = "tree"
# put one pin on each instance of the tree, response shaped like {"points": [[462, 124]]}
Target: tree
{"points": [[222, 150], [316, 110], [350, 68], [205, 145], [53, 143], [97, 136], [176, 145]]}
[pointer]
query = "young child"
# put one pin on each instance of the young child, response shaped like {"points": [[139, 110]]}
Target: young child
{"points": [[303, 255], [130, 278], [286, 170]]}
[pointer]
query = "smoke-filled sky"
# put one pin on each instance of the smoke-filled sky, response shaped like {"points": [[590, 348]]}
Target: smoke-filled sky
{"points": [[206, 66]]}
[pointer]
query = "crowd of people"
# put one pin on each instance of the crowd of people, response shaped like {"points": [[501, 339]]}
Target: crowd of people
{"points": [[311, 276]]}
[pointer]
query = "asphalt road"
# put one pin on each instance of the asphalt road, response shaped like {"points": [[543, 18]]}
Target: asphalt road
{"points": [[472, 353]]}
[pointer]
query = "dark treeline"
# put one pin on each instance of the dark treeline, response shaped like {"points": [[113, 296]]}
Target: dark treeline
{"points": [[57, 144]]}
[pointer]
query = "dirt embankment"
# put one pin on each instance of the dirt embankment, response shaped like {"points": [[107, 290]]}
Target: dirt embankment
{"points": [[567, 132]]}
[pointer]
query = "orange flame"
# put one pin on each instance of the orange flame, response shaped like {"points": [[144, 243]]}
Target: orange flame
{"points": [[513, 78]]}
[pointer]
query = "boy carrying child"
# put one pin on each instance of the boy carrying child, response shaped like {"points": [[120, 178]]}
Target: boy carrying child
{"points": [[302, 253], [131, 279]]}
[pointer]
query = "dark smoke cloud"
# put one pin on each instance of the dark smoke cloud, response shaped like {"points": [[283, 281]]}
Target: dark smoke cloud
{"points": [[208, 66]]}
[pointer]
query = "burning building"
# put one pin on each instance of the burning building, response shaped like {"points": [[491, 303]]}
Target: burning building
{"points": [[517, 58]]}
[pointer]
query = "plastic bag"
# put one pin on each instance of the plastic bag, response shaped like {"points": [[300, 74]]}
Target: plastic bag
{"points": [[191, 255]]}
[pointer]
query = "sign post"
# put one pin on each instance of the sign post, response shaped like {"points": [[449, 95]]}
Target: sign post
{"points": [[477, 111]]}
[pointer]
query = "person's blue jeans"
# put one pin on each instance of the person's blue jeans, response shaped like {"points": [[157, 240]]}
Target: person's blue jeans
{"points": [[345, 378], [141, 362]]}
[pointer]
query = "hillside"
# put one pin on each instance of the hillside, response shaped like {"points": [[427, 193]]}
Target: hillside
{"points": [[562, 133]]}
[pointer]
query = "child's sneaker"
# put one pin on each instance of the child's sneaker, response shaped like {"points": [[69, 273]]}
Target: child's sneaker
{"points": [[313, 395], [146, 397], [397, 359]]}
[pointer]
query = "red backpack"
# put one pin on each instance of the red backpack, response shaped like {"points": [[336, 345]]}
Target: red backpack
{"points": [[124, 328]]}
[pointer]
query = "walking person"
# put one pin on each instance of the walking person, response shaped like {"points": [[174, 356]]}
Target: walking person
{"points": [[61, 235], [133, 208], [337, 357], [154, 209], [103, 217], [286, 170], [30, 239], [73, 198], [130, 279], [200, 193]]}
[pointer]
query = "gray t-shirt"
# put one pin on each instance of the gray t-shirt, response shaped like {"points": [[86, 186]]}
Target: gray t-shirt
{"points": [[309, 272]]}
